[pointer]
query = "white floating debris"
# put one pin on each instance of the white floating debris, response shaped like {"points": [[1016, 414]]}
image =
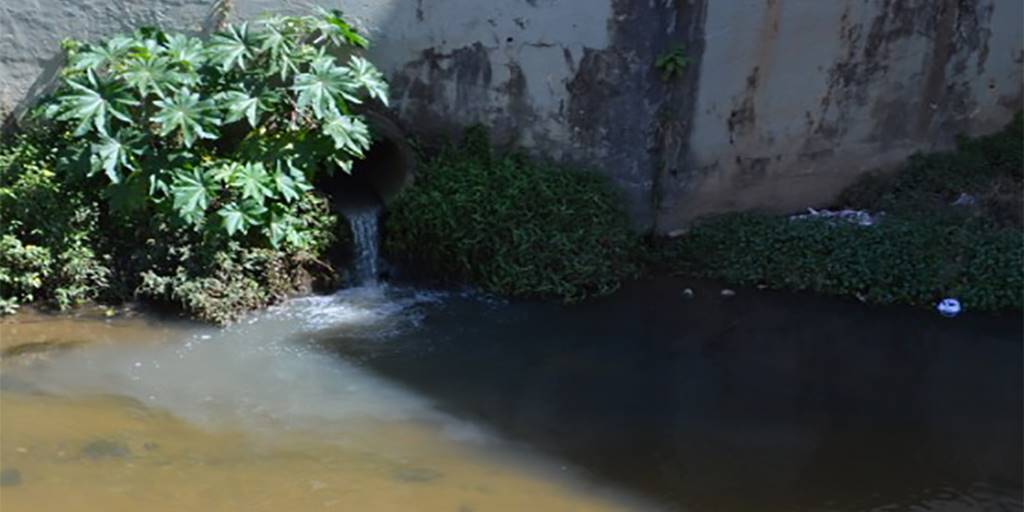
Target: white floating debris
{"points": [[949, 307], [728, 293], [858, 217], [688, 293], [964, 200]]}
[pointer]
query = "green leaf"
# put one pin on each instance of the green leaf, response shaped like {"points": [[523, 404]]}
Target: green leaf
{"points": [[184, 50], [368, 77], [186, 112], [252, 179], [114, 153], [318, 87], [191, 192], [239, 218], [238, 105], [350, 134], [283, 42], [91, 103], [335, 29], [225, 172], [151, 75], [231, 48], [286, 185], [98, 56]]}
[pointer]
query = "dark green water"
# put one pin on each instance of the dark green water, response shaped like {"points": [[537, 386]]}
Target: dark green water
{"points": [[763, 401]]}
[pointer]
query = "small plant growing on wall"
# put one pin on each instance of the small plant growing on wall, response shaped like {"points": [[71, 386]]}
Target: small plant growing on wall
{"points": [[221, 135], [672, 63]]}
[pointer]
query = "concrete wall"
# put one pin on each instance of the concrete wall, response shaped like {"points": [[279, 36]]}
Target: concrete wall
{"points": [[785, 102]]}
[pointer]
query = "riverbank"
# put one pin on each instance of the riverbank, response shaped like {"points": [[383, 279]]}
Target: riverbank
{"points": [[947, 225]]}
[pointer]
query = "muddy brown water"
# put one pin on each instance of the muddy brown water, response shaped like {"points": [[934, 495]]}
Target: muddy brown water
{"points": [[403, 399]]}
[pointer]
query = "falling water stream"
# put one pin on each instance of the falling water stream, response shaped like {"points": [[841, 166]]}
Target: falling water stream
{"points": [[365, 242]]}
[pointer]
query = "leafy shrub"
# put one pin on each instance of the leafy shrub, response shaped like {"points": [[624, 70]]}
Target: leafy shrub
{"points": [[220, 286], [225, 134], [897, 261], [511, 225], [179, 170], [48, 232]]}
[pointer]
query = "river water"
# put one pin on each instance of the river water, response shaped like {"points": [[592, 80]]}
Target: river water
{"points": [[397, 398]]}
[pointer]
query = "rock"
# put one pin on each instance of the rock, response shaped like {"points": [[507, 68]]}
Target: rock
{"points": [[102, 448], [417, 475], [688, 293], [10, 477], [728, 293]]}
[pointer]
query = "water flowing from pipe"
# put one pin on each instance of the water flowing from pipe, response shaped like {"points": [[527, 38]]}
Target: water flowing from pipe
{"points": [[366, 243]]}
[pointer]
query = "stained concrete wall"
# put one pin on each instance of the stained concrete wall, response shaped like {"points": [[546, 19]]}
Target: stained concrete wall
{"points": [[785, 101], [796, 98]]}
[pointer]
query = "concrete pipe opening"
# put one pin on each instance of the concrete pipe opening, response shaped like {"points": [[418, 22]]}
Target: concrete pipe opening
{"points": [[389, 167]]}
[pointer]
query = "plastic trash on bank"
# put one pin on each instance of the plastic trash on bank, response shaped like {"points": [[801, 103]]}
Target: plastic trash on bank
{"points": [[949, 307], [858, 217]]}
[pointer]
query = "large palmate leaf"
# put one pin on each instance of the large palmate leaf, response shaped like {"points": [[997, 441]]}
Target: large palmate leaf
{"points": [[99, 56], [253, 181], [289, 182], [318, 87], [369, 78], [93, 102], [240, 217], [111, 154], [283, 43], [152, 74], [186, 113], [350, 134], [185, 51], [192, 192], [285, 228], [231, 48], [239, 104]]}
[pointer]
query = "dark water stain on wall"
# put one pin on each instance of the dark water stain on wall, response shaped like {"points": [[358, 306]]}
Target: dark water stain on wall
{"points": [[931, 106], [422, 89], [623, 113]]}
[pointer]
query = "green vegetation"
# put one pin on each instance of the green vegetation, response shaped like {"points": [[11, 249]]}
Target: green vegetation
{"points": [[180, 170], [511, 225], [672, 63], [925, 248]]}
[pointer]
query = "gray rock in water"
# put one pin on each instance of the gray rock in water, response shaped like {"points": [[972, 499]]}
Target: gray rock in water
{"points": [[10, 477], [417, 475], [103, 448], [688, 293]]}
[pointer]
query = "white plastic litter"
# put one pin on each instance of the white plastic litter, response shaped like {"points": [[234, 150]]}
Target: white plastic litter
{"points": [[949, 307], [964, 200], [859, 217]]}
